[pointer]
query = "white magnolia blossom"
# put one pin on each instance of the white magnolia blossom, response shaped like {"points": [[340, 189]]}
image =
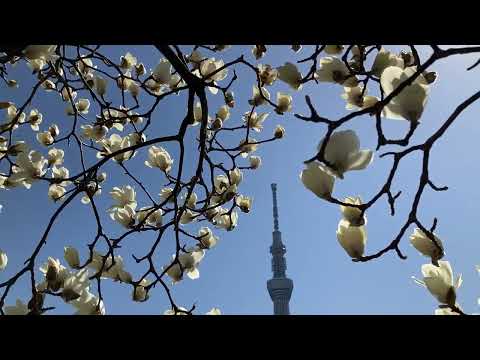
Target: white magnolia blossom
{"points": [[357, 98], [166, 193], [45, 138], [139, 292], [28, 168], [439, 282], [34, 119], [352, 238], [255, 161], [100, 85], [3, 260], [214, 311], [226, 221], [96, 132], [254, 120], [67, 94], [335, 71], [75, 285], [316, 179], [410, 102], [94, 189], [71, 257], [88, 304], [236, 176], [124, 216], [259, 51], [134, 89], [60, 173], [244, 203], [187, 263], [425, 245], [206, 237], [160, 158], [223, 113], [267, 74], [162, 72], [55, 273], [343, 153], [279, 132], [289, 73], [55, 192], [114, 144], [248, 146], [55, 157], [352, 214], [18, 309], [44, 52], [124, 196], [140, 69], [385, 59], [445, 311], [284, 103], [182, 311], [115, 271], [127, 61], [187, 217], [210, 66], [257, 98], [155, 218], [333, 49]]}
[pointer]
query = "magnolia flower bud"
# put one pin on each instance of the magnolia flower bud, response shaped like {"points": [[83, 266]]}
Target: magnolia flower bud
{"points": [[353, 214], [279, 132], [244, 203], [259, 51], [72, 257], [316, 179], [255, 161], [140, 69], [55, 192], [426, 246], [160, 158], [3, 260], [139, 292], [217, 124], [352, 238], [439, 282], [214, 311]]}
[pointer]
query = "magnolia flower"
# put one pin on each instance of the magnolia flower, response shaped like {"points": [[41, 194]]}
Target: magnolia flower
{"points": [[255, 161], [88, 304], [236, 176], [259, 51], [209, 66], [279, 132], [187, 217], [357, 98], [335, 71], [385, 59], [28, 168], [181, 311], [124, 216], [134, 89], [226, 221], [124, 196], [410, 102], [257, 98], [55, 192], [140, 293], [140, 69], [113, 144], [160, 158], [352, 238], [197, 114], [83, 105], [93, 188], [254, 120], [333, 49], [71, 257], [284, 103], [45, 138], [343, 153], [18, 309], [45, 52], [290, 74], [127, 61], [55, 157], [166, 193], [223, 113], [316, 179], [352, 214], [154, 218], [445, 311], [425, 245], [75, 285], [267, 74], [214, 311], [244, 203], [67, 94], [100, 85], [3, 260], [55, 273], [35, 119], [247, 147], [48, 85], [96, 132], [162, 72], [439, 282], [206, 237], [230, 99], [189, 262], [175, 82]]}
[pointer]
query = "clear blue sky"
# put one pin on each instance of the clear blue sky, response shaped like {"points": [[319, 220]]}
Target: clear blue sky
{"points": [[233, 275]]}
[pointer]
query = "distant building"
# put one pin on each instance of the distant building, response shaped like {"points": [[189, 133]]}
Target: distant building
{"points": [[279, 287]]}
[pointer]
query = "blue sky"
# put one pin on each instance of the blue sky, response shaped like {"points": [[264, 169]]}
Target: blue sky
{"points": [[233, 275]]}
